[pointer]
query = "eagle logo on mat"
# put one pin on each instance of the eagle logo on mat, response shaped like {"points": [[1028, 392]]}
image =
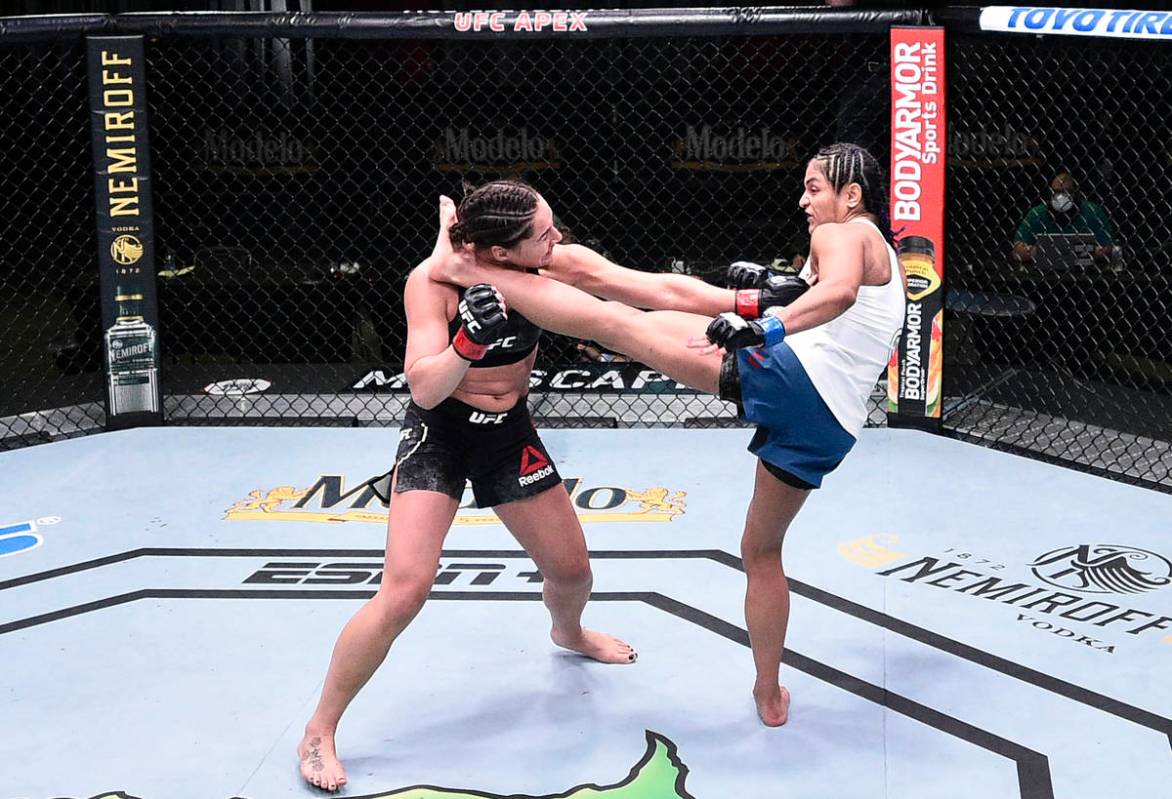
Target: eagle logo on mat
{"points": [[1103, 569], [268, 502], [659, 774]]}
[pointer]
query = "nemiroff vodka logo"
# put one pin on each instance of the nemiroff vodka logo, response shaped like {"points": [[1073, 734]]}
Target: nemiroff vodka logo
{"points": [[512, 151], [1103, 569], [739, 149], [1055, 603], [120, 352]]}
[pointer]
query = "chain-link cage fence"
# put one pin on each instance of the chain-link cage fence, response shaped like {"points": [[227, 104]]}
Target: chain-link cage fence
{"points": [[295, 179], [50, 364], [296, 186], [1059, 340]]}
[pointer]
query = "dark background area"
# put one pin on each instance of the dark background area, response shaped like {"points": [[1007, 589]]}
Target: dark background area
{"points": [[295, 183]]}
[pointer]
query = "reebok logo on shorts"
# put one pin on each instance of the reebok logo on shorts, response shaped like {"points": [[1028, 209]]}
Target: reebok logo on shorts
{"points": [[534, 466]]}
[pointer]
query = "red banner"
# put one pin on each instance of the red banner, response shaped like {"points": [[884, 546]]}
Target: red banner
{"points": [[918, 136]]}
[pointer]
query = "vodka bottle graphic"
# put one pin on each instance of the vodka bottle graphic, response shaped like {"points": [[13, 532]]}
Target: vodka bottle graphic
{"points": [[131, 344]]}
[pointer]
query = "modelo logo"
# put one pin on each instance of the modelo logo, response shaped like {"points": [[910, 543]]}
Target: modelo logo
{"points": [[1103, 569], [1006, 147], [457, 147], [225, 148], [758, 148]]}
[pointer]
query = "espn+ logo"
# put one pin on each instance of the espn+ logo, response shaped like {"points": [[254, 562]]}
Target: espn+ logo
{"points": [[23, 536]]}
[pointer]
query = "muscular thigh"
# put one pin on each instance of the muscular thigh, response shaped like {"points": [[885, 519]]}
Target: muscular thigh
{"points": [[417, 526], [660, 340], [548, 529]]}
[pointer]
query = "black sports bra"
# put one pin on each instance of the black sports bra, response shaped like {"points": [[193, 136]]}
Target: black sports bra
{"points": [[516, 341]]}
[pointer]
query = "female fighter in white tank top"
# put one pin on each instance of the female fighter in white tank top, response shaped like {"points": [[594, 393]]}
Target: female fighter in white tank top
{"points": [[845, 356]]}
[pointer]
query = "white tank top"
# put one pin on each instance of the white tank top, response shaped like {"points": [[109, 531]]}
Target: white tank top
{"points": [[845, 356]]}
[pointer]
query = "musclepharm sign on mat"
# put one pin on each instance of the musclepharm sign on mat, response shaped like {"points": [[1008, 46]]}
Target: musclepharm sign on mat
{"points": [[1118, 23]]}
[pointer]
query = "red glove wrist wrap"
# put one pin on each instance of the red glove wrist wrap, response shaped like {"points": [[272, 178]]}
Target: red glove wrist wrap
{"points": [[748, 302], [466, 348]]}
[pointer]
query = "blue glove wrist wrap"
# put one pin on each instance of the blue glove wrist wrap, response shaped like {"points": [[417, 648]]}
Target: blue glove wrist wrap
{"points": [[773, 329]]}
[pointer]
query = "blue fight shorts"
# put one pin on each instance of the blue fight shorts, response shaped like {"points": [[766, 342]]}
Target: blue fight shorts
{"points": [[797, 437]]}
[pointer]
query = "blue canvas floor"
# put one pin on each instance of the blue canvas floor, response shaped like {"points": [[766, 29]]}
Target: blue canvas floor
{"points": [[965, 623]]}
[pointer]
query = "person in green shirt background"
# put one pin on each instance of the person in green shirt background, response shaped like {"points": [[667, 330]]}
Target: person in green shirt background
{"points": [[1064, 211]]}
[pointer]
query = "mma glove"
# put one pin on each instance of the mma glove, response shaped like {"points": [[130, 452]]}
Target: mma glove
{"points": [[733, 332], [759, 289], [482, 320], [746, 275], [777, 290]]}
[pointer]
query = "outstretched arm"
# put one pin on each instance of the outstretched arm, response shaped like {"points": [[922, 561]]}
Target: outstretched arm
{"points": [[549, 304], [586, 270], [583, 268]]}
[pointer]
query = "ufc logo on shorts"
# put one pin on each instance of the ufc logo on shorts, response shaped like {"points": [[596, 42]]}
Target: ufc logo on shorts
{"points": [[478, 417], [504, 343]]}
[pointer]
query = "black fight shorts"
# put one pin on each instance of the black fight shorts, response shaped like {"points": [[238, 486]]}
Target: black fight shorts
{"points": [[443, 448]]}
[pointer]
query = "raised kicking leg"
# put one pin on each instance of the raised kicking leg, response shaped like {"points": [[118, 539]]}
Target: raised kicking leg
{"points": [[658, 339]]}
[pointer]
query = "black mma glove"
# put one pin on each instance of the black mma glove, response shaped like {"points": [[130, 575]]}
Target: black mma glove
{"points": [[732, 332], [482, 319], [747, 275], [776, 290]]}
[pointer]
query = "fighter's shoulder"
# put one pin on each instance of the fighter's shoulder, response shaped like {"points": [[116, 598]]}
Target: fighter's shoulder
{"points": [[424, 280], [837, 233]]}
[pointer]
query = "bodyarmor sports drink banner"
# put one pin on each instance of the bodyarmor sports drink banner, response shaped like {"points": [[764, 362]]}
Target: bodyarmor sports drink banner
{"points": [[126, 252], [918, 136]]}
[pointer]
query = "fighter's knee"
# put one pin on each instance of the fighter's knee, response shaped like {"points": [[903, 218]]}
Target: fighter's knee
{"points": [[404, 595], [761, 556], [572, 574]]}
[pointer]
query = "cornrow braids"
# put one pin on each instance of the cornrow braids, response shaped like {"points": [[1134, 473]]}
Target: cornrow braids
{"points": [[846, 163], [498, 213]]}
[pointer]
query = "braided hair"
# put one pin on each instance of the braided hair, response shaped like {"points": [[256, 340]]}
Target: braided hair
{"points": [[846, 163], [498, 213]]}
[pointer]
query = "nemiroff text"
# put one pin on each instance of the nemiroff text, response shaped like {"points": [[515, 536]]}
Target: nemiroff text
{"points": [[121, 145]]}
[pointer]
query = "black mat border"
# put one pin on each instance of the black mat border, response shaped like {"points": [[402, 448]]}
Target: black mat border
{"points": [[1033, 768], [1037, 679]]}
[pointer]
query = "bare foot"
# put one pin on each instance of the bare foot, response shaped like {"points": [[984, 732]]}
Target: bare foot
{"points": [[319, 762], [772, 706], [599, 646]]}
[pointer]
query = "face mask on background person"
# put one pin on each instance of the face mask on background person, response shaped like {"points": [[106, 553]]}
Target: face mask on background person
{"points": [[1062, 202]]}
